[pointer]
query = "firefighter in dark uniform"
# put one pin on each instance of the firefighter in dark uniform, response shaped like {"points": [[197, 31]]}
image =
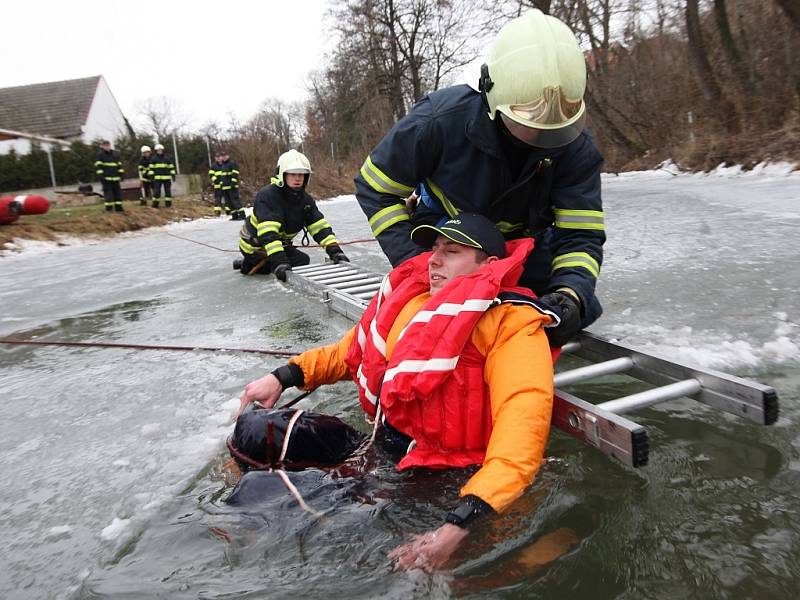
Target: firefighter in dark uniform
{"points": [[108, 167], [515, 151], [162, 174], [228, 175], [214, 178], [280, 211], [144, 179]]}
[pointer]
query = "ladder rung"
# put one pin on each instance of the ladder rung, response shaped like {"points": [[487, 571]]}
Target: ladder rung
{"points": [[608, 367], [369, 287], [687, 387]]}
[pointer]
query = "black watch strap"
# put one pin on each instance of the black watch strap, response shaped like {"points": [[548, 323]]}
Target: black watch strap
{"points": [[289, 376], [468, 509]]}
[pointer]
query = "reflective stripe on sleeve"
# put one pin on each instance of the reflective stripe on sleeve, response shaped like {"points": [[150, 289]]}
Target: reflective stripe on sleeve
{"points": [[579, 219], [387, 217], [577, 259], [380, 182], [505, 227], [331, 239], [274, 247], [265, 226], [317, 226], [448, 206]]}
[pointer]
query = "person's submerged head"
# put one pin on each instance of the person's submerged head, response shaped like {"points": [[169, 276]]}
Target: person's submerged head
{"points": [[459, 246]]}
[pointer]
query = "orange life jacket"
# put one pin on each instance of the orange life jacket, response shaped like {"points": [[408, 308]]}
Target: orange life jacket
{"points": [[432, 387]]}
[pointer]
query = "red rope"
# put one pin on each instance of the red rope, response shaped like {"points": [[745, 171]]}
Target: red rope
{"points": [[281, 353], [228, 250]]}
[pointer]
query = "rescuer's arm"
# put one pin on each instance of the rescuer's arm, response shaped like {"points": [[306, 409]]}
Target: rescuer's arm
{"points": [[403, 158], [322, 232], [267, 219], [579, 232]]}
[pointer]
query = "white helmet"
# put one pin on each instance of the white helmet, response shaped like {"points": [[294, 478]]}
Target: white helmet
{"points": [[535, 78], [145, 149], [293, 162], [159, 146]]}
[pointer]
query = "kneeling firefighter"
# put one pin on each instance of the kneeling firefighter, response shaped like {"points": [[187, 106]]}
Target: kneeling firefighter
{"points": [[280, 211]]}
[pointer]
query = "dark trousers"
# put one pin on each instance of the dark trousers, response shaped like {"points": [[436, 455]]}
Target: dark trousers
{"points": [[167, 183], [233, 205], [112, 194], [217, 201], [295, 256], [146, 190]]}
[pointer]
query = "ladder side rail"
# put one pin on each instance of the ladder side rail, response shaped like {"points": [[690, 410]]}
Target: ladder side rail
{"points": [[747, 399], [610, 433]]}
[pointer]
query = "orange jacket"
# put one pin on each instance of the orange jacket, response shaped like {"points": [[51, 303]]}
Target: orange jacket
{"points": [[519, 375]]}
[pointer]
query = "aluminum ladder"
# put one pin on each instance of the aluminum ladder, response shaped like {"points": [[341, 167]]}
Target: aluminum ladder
{"points": [[347, 289]]}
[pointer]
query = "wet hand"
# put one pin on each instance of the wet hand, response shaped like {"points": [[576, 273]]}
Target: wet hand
{"points": [[429, 551], [265, 391]]}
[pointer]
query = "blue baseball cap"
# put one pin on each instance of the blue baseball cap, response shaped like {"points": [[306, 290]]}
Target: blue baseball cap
{"points": [[469, 229]]}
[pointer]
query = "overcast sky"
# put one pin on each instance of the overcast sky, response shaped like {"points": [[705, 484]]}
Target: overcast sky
{"points": [[215, 58]]}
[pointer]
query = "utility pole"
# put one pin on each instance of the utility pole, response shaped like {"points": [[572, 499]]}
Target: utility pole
{"points": [[208, 149], [175, 153]]}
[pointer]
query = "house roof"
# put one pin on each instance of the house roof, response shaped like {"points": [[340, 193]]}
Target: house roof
{"points": [[57, 109]]}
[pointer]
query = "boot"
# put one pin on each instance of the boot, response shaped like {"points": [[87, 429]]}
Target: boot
{"points": [[237, 264], [168, 203], [142, 202], [118, 208], [109, 208], [155, 203]]}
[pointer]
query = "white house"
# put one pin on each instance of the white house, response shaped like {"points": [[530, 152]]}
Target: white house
{"points": [[72, 110]]}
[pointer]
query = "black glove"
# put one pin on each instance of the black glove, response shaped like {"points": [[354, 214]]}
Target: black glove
{"points": [[336, 254], [569, 310], [280, 271]]}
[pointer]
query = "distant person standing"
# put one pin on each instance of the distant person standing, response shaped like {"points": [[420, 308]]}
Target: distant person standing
{"points": [[109, 168], [228, 174], [214, 177], [144, 179], [162, 173]]}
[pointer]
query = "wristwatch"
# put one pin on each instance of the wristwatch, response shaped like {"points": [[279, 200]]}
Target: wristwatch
{"points": [[468, 509]]}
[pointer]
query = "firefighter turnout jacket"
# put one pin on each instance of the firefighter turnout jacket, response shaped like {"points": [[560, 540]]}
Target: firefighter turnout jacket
{"points": [[227, 174], [161, 168], [279, 214], [458, 159], [108, 166]]}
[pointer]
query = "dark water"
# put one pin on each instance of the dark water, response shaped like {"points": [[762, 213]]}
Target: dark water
{"points": [[111, 457]]}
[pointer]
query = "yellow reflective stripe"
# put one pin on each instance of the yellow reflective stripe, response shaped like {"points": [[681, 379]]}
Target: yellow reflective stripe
{"points": [[579, 219], [107, 164], [506, 227], [331, 239], [380, 182], [317, 226], [243, 245], [386, 217], [577, 259], [265, 226], [451, 210], [274, 247]]}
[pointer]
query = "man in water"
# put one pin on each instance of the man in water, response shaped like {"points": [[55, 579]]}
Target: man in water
{"points": [[436, 358]]}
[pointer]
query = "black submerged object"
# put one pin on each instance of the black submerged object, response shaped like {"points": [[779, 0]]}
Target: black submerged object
{"points": [[291, 439]]}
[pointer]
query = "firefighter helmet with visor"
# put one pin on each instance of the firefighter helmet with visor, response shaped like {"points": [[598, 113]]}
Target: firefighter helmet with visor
{"points": [[536, 78]]}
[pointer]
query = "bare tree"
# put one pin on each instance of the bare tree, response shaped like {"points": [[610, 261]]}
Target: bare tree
{"points": [[162, 116]]}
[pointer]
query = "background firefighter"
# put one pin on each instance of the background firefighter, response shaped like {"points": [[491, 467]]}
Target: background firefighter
{"points": [[109, 168], [228, 177], [280, 211], [146, 192], [162, 173]]}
